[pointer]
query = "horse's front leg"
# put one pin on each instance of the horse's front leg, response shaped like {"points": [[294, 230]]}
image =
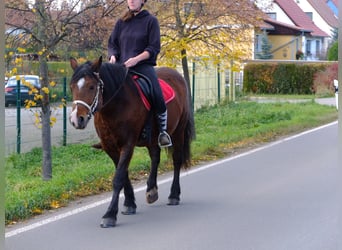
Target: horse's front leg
{"points": [[152, 188], [129, 203], [119, 181]]}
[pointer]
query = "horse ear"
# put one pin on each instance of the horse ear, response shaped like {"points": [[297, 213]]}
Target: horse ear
{"points": [[96, 65], [73, 63]]}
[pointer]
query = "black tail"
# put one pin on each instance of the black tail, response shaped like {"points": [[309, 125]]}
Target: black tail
{"points": [[189, 135]]}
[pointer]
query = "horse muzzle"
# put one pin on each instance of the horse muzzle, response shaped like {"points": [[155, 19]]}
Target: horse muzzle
{"points": [[78, 121]]}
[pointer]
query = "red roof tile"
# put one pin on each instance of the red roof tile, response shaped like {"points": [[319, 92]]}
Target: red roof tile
{"points": [[324, 11], [299, 18]]}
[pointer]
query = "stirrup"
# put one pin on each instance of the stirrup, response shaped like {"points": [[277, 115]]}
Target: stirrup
{"points": [[164, 140]]}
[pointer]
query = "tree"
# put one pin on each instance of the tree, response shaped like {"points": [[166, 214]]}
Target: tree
{"points": [[218, 29], [266, 47], [333, 52], [45, 25]]}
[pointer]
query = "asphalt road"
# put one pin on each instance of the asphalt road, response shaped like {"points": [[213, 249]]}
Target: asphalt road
{"points": [[281, 196]]}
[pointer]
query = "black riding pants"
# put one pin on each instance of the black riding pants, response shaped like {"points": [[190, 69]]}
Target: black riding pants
{"points": [[157, 96]]}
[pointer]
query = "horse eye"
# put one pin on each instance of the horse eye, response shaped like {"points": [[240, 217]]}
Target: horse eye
{"points": [[92, 87]]}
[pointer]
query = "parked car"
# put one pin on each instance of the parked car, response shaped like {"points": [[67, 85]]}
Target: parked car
{"points": [[26, 84]]}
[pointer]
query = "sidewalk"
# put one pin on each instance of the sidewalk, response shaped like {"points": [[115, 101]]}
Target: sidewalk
{"points": [[324, 101]]}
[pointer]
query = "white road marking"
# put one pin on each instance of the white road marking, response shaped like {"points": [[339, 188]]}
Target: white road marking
{"points": [[167, 180]]}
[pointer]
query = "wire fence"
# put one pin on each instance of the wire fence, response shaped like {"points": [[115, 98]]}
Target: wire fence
{"points": [[208, 87]]}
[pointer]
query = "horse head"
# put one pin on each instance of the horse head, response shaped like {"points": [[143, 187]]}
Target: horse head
{"points": [[86, 89]]}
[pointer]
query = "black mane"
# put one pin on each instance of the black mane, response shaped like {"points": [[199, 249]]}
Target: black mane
{"points": [[113, 77]]}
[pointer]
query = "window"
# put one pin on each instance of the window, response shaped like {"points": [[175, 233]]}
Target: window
{"points": [[318, 47], [308, 47], [309, 14], [272, 15], [258, 43]]}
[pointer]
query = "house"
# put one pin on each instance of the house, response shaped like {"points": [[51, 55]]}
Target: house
{"points": [[290, 29], [321, 14]]}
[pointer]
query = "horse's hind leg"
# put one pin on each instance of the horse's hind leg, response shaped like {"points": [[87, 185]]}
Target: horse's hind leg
{"points": [[175, 191], [152, 188]]}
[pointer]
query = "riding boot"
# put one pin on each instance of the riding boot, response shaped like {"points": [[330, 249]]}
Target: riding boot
{"points": [[164, 140]]}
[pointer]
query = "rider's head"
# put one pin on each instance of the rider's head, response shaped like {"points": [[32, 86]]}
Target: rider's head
{"points": [[135, 5]]}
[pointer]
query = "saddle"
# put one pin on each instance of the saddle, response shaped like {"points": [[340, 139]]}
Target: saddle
{"points": [[145, 90]]}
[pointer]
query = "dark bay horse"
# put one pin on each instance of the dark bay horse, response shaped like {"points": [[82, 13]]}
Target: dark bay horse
{"points": [[107, 92]]}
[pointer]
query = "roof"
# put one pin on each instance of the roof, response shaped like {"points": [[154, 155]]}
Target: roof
{"points": [[299, 18], [335, 2], [324, 11], [280, 28]]}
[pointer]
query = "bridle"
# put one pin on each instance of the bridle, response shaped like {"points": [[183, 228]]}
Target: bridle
{"points": [[92, 108]]}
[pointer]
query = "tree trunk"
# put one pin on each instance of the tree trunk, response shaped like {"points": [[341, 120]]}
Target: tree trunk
{"points": [[46, 128], [43, 68]]}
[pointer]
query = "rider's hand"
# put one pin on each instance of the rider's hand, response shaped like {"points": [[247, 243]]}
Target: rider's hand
{"points": [[112, 59], [131, 62]]}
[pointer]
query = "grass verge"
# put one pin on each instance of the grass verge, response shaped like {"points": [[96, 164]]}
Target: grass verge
{"points": [[79, 170]]}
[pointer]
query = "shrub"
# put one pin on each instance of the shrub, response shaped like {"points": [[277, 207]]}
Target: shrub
{"points": [[323, 80], [281, 77]]}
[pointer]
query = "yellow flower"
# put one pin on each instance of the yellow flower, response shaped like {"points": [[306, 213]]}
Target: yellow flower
{"points": [[52, 83]]}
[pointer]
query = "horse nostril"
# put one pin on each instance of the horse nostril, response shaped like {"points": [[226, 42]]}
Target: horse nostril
{"points": [[81, 120]]}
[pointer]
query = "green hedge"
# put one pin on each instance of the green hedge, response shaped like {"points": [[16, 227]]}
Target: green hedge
{"points": [[281, 77]]}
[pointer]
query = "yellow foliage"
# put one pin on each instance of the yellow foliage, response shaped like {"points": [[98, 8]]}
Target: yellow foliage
{"points": [[38, 97], [55, 204], [18, 60], [37, 211], [21, 50], [46, 90], [53, 121]]}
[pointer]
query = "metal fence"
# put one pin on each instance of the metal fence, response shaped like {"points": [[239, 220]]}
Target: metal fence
{"points": [[208, 86]]}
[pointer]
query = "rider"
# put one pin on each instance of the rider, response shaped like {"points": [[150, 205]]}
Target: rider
{"points": [[135, 41]]}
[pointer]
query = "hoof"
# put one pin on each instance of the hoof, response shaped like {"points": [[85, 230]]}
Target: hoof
{"points": [[152, 195], [173, 202], [129, 210], [108, 222]]}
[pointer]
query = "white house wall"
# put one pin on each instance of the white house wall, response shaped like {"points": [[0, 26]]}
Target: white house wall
{"points": [[317, 19], [281, 15]]}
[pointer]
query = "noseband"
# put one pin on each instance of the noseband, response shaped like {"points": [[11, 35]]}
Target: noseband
{"points": [[93, 106]]}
